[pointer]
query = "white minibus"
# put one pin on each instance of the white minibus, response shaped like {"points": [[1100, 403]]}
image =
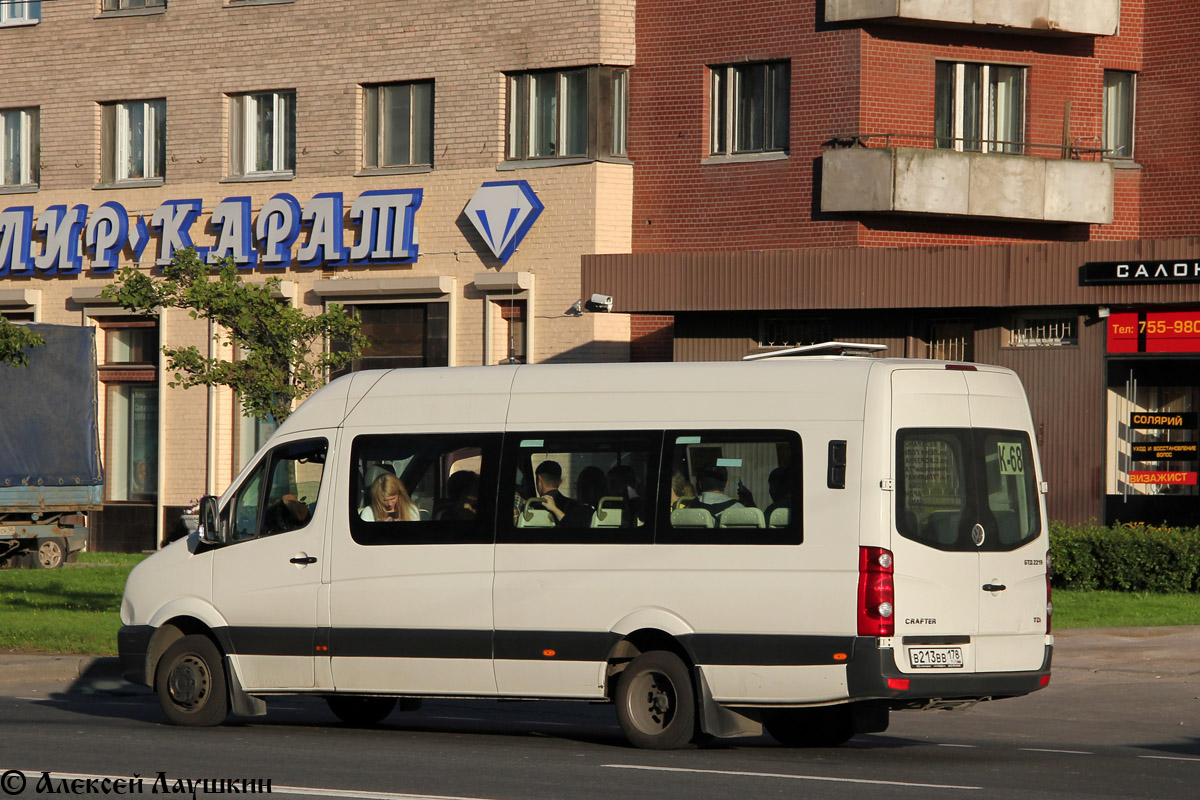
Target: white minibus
{"points": [[801, 543]]}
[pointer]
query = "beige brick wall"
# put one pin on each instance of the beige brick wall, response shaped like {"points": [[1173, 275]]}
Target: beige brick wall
{"points": [[199, 51]]}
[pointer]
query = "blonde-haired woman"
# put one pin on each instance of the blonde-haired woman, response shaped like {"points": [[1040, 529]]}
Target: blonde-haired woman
{"points": [[390, 502]]}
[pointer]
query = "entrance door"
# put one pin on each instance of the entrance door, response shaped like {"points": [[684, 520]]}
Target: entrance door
{"points": [[266, 583]]}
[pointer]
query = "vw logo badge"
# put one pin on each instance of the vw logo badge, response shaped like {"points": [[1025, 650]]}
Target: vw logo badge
{"points": [[977, 535]]}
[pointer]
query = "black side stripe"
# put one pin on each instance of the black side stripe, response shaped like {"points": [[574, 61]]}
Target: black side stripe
{"points": [[723, 649]]}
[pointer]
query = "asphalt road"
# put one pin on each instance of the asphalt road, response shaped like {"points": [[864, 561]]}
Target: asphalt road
{"points": [[1121, 718]]}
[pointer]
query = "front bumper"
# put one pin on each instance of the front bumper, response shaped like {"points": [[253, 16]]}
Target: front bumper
{"points": [[868, 675], [133, 644]]}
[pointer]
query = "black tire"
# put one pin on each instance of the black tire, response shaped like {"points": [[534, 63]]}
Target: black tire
{"points": [[49, 554], [360, 711], [656, 705], [828, 726], [190, 683]]}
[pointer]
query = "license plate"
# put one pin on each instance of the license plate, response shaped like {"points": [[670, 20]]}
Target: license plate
{"points": [[7, 530], [935, 657]]}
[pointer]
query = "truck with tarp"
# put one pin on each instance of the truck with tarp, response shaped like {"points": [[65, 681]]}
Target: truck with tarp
{"points": [[51, 478]]}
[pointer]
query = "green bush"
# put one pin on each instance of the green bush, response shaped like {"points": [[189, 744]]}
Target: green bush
{"points": [[1128, 558]]}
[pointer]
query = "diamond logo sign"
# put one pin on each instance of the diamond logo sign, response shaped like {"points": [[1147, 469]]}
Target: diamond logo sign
{"points": [[503, 212]]}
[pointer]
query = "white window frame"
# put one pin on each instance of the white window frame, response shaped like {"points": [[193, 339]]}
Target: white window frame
{"points": [[986, 144], [29, 133], [127, 112], [1109, 119], [375, 122], [16, 12], [727, 87], [245, 133]]}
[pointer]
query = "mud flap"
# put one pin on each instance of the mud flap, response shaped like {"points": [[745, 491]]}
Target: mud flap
{"points": [[717, 720], [240, 703]]}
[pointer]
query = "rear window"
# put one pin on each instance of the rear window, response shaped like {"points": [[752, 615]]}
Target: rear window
{"points": [[950, 480]]}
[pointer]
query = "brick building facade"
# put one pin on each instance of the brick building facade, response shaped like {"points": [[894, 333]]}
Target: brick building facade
{"points": [[935, 177], [162, 109]]}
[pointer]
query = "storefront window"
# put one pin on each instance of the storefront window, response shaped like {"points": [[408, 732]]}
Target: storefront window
{"points": [[132, 472], [129, 373]]}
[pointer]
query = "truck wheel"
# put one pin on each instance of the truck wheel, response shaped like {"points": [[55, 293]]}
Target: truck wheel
{"points": [[827, 726], [50, 554], [190, 683], [360, 711], [656, 706]]}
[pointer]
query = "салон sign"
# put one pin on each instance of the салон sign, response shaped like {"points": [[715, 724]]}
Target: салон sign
{"points": [[385, 221]]}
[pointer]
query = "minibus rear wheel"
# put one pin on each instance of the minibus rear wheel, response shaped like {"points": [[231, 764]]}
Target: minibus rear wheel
{"points": [[656, 706], [190, 682], [360, 711]]}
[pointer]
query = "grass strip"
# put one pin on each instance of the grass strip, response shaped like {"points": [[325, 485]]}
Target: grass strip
{"points": [[71, 610], [1081, 609]]}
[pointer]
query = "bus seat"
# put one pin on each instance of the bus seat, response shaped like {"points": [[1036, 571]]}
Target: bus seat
{"points": [[691, 518], [743, 518], [535, 515], [609, 512], [942, 526], [780, 518], [1008, 526]]}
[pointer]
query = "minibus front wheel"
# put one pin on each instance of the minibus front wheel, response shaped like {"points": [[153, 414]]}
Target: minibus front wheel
{"points": [[190, 682], [656, 705]]}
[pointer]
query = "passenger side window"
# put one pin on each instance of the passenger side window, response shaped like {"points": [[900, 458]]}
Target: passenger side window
{"points": [[280, 494], [423, 488], [741, 487], [580, 487]]}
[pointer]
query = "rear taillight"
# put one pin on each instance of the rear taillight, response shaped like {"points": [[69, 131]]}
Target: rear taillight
{"points": [[876, 592], [1049, 604]]}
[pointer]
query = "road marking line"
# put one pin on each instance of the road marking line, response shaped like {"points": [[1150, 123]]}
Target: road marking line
{"points": [[1048, 750], [958, 745], [307, 791], [789, 776], [1171, 758]]}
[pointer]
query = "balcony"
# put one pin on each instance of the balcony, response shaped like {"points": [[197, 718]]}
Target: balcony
{"points": [[915, 180], [1052, 17]]}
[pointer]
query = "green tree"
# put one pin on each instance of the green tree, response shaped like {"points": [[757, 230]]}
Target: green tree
{"points": [[14, 340], [281, 350]]}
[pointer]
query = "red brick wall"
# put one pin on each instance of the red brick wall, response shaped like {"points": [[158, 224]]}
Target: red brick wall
{"points": [[1166, 142], [879, 79], [651, 338]]}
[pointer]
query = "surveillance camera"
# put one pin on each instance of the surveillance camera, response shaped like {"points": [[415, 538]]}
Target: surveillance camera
{"points": [[601, 302]]}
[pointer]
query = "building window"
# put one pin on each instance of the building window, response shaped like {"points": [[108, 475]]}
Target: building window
{"points": [[951, 340], [398, 125], [263, 135], [750, 108], [620, 112], [135, 140], [1118, 114], [1044, 331], [577, 113], [514, 330], [129, 5], [401, 335], [19, 142], [979, 107], [17, 12], [785, 332], [130, 376]]}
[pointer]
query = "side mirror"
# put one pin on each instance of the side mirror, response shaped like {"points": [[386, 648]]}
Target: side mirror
{"points": [[210, 522]]}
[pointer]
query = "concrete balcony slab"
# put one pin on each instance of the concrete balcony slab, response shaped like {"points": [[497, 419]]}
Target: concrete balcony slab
{"points": [[1055, 17], [905, 180]]}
